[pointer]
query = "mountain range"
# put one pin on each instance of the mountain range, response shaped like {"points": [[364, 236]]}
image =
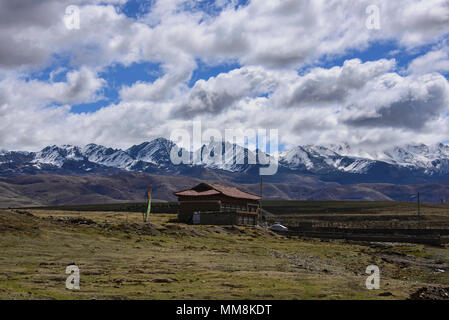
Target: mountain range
{"points": [[335, 172]]}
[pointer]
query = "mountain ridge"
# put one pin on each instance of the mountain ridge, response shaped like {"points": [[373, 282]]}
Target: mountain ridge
{"points": [[154, 157], [305, 172]]}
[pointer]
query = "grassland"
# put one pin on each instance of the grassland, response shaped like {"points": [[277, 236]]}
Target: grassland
{"points": [[360, 214], [120, 258], [280, 207]]}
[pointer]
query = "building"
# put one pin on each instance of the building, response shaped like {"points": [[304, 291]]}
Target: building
{"points": [[213, 204]]}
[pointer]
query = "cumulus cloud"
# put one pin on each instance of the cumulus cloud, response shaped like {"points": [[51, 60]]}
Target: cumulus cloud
{"points": [[81, 86], [397, 102], [416, 21], [278, 34], [433, 61], [170, 85], [219, 93], [365, 103], [32, 31], [324, 86]]}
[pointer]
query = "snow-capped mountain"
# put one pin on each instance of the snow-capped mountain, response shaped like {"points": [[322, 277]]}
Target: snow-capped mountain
{"points": [[155, 152], [411, 162], [323, 159], [94, 173], [108, 157], [432, 159], [57, 156], [224, 156], [137, 158]]}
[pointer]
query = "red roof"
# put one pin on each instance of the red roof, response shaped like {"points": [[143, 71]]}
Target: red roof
{"points": [[204, 189], [193, 193]]}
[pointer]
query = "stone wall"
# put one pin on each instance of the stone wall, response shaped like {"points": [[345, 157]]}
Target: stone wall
{"points": [[218, 218]]}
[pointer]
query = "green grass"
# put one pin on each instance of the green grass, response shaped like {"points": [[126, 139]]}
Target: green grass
{"points": [[281, 207], [195, 262], [157, 207]]}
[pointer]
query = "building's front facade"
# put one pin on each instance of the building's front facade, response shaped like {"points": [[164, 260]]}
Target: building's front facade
{"points": [[217, 204]]}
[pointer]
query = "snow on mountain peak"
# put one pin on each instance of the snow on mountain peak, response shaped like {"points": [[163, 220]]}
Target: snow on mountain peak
{"points": [[343, 149], [108, 157], [57, 156], [232, 157], [155, 151], [296, 157], [417, 155], [155, 155]]}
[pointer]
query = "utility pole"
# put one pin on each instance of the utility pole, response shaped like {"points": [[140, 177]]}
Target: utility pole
{"points": [[260, 202], [419, 207]]}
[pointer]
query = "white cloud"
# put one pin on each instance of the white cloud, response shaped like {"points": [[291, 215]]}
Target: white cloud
{"points": [[169, 86], [433, 61], [220, 93], [323, 86], [362, 103], [82, 86], [414, 22], [400, 102]]}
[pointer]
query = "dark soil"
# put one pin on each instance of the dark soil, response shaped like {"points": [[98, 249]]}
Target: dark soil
{"points": [[430, 293]]}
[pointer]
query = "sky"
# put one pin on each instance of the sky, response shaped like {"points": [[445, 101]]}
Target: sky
{"points": [[371, 74]]}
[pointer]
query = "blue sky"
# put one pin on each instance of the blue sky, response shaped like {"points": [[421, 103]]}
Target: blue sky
{"points": [[119, 75], [137, 70]]}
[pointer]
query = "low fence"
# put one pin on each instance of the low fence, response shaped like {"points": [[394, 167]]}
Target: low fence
{"points": [[423, 236], [411, 232]]}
